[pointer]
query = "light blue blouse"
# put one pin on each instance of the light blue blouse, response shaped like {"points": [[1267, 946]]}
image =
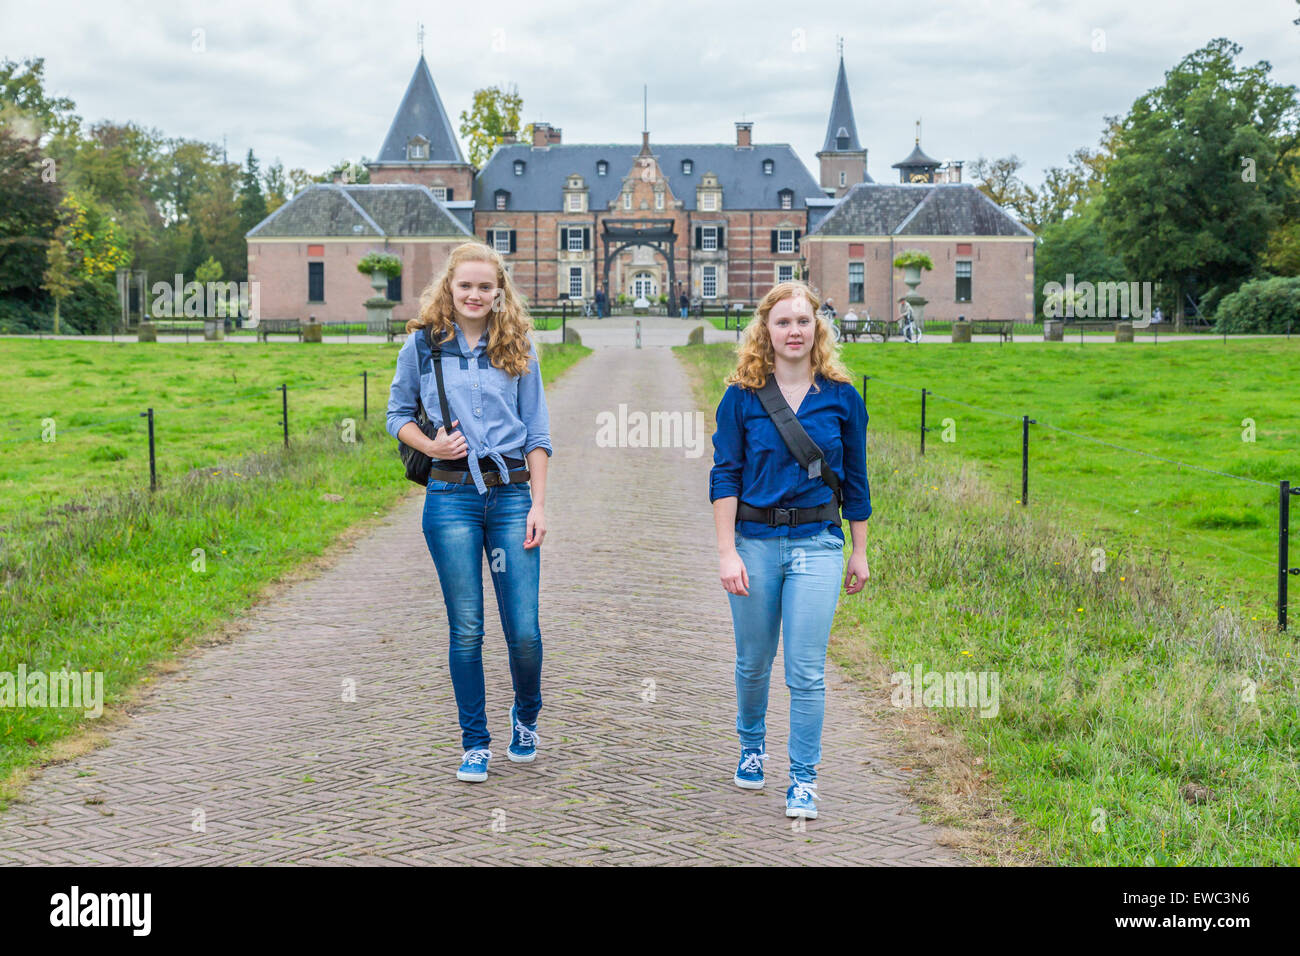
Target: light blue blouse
{"points": [[499, 414]]}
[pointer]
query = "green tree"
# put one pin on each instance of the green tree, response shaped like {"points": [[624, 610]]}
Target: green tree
{"points": [[1203, 174], [494, 112], [1073, 246], [252, 204], [22, 88], [29, 215], [60, 279]]}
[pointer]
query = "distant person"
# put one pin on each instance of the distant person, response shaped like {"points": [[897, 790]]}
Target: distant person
{"points": [[1156, 316], [685, 302], [829, 308], [600, 301]]}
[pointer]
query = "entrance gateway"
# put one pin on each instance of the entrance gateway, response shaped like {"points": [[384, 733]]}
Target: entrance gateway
{"points": [[658, 234]]}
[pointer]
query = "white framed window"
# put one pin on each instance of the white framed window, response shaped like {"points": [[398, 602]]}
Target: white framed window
{"points": [[784, 273], [417, 151], [627, 200], [575, 202], [787, 199], [519, 167], [785, 240], [708, 238], [602, 168], [501, 240], [659, 200], [575, 240], [709, 282], [439, 193], [686, 167], [501, 200], [767, 167], [575, 279], [843, 178], [709, 202]]}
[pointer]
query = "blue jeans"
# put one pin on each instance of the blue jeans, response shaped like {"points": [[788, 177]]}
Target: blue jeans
{"points": [[460, 526], [794, 588]]}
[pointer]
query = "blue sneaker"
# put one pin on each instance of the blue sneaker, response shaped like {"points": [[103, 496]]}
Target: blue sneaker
{"points": [[475, 765], [523, 740], [749, 774], [799, 800]]}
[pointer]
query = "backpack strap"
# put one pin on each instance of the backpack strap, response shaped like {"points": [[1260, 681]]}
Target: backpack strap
{"points": [[436, 353], [800, 445]]}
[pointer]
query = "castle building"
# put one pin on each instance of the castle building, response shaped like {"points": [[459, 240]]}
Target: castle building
{"points": [[719, 222]]}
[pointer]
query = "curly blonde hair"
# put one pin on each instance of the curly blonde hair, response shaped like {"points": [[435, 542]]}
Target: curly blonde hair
{"points": [[755, 355], [508, 323]]}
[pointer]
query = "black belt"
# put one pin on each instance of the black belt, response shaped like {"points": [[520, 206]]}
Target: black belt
{"points": [[490, 478], [792, 516]]}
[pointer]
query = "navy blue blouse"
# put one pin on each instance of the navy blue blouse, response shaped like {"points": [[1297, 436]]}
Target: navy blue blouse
{"points": [[751, 462]]}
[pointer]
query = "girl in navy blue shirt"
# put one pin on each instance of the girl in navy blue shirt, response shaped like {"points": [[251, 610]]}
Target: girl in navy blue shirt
{"points": [[782, 557]]}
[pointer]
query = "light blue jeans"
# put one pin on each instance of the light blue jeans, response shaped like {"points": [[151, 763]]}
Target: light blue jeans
{"points": [[794, 589], [460, 526]]}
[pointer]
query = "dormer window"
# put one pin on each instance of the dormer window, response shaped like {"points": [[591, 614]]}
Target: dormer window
{"points": [[767, 167], [602, 168], [686, 167], [502, 198], [787, 199], [841, 138], [519, 167], [417, 148]]}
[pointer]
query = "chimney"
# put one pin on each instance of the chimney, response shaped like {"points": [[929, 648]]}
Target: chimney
{"points": [[508, 136], [541, 133], [743, 131], [553, 136]]}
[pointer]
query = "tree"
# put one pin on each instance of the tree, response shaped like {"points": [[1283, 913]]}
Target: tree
{"points": [[60, 280], [998, 179], [1203, 173], [494, 112], [29, 215], [252, 204], [22, 87]]}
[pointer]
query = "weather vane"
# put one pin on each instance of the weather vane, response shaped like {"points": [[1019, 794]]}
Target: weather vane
{"points": [[421, 39]]}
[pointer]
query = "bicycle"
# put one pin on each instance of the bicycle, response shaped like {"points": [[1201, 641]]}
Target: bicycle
{"points": [[908, 324]]}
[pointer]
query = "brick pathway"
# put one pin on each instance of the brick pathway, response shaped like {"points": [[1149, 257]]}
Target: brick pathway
{"points": [[256, 737]]}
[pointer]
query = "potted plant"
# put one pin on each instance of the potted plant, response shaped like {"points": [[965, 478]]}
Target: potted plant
{"points": [[380, 266], [912, 261]]}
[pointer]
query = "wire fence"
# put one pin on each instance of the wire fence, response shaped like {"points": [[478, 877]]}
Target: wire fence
{"points": [[1282, 488]]}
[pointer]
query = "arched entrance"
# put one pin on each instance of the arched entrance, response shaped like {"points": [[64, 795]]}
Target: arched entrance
{"points": [[658, 234]]}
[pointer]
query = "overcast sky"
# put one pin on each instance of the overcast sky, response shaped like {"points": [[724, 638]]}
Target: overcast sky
{"points": [[313, 83]]}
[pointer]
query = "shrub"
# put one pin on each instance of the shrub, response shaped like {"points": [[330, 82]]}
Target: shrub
{"points": [[913, 258], [1263, 305]]}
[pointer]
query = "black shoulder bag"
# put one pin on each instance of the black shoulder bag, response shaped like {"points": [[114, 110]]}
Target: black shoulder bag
{"points": [[809, 456], [417, 463]]}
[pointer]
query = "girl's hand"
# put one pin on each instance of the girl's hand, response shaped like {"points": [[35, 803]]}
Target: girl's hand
{"points": [[856, 574], [536, 527], [733, 574], [446, 447]]}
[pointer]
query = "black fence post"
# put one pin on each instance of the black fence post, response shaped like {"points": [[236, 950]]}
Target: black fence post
{"points": [[284, 411], [1026, 421], [564, 319], [1285, 491], [923, 428], [153, 462], [365, 396]]}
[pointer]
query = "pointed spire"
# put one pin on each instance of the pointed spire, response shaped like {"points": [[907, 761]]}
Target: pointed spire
{"points": [[841, 130], [421, 114]]}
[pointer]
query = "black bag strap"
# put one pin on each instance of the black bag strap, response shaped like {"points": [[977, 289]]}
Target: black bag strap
{"points": [[801, 446], [436, 351]]}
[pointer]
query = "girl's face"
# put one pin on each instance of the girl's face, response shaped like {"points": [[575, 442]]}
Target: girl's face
{"points": [[791, 326], [474, 289]]}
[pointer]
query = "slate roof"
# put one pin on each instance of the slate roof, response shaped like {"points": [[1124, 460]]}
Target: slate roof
{"points": [[938, 209], [421, 113], [739, 171], [329, 209], [841, 117]]}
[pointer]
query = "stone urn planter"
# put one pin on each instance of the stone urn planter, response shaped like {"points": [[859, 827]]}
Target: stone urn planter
{"points": [[379, 312], [380, 267], [311, 330]]}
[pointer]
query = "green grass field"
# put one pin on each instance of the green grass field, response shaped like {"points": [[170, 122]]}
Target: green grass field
{"points": [[102, 575], [1140, 721]]}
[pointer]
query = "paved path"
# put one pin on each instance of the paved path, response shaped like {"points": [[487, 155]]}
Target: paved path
{"points": [[255, 735]]}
